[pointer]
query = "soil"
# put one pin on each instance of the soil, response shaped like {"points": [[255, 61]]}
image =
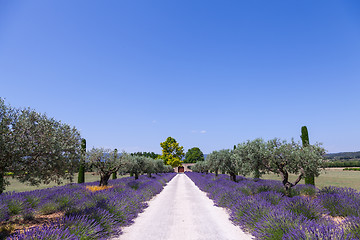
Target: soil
{"points": [[18, 223]]}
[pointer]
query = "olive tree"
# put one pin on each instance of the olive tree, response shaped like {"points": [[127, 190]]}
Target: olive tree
{"points": [[290, 158], [135, 165], [249, 157], [201, 166], [35, 148], [7, 147], [213, 160], [149, 166], [106, 162], [227, 163], [159, 166], [168, 169]]}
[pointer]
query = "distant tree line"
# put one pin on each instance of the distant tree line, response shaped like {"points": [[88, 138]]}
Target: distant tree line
{"points": [[343, 156], [341, 164], [146, 154]]}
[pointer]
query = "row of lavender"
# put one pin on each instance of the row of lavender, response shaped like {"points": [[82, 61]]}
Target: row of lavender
{"points": [[87, 214], [262, 209]]}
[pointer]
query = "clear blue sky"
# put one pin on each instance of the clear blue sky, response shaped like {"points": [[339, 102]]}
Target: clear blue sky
{"points": [[211, 74]]}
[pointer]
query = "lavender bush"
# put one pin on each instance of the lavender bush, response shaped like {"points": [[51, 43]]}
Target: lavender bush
{"points": [[353, 227], [344, 202], [318, 231], [87, 214], [262, 208]]}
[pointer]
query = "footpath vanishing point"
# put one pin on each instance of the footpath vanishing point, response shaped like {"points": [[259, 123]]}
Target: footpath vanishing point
{"points": [[183, 211]]}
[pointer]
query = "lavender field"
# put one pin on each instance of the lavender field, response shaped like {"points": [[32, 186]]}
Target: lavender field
{"points": [[81, 210], [262, 209]]}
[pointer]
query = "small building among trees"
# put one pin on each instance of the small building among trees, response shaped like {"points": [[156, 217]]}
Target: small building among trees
{"points": [[186, 167]]}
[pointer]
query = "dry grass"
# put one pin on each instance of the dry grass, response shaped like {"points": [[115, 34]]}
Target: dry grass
{"points": [[18, 223], [17, 186]]}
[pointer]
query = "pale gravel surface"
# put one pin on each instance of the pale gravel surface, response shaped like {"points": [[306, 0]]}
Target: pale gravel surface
{"points": [[182, 211]]}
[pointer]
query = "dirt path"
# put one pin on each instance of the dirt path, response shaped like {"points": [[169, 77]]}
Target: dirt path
{"points": [[182, 211]]}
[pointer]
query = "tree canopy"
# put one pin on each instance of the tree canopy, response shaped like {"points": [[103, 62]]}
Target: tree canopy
{"points": [[194, 155], [172, 152], [279, 157], [258, 157], [136, 165], [106, 162], [290, 157], [201, 166], [36, 148], [146, 154], [249, 157], [213, 160]]}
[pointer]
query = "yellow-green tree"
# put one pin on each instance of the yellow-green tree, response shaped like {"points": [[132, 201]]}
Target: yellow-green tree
{"points": [[172, 153]]}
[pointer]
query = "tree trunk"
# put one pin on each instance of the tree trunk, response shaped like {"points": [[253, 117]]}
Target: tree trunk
{"points": [[2, 182], [216, 173], [104, 179], [256, 173], [114, 176], [287, 188], [149, 175], [136, 175], [285, 182], [233, 177], [288, 185]]}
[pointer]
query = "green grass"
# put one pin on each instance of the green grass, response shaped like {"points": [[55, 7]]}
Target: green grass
{"points": [[329, 177], [17, 186]]}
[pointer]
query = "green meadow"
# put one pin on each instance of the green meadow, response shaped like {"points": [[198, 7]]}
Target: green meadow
{"points": [[329, 177], [17, 186]]}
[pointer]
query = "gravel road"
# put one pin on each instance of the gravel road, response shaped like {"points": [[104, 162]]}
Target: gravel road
{"points": [[182, 211]]}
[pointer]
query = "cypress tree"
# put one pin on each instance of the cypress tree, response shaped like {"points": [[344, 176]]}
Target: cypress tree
{"points": [[115, 156], [305, 136], [309, 179], [2, 183], [81, 177]]}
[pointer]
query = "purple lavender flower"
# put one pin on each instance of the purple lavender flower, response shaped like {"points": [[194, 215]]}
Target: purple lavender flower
{"points": [[276, 224], [82, 227], [89, 215], [48, 232], [261, 208], [309, 208], [318, 231], [4, 212], [353, 227], [271, 196], [340, 204]]}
